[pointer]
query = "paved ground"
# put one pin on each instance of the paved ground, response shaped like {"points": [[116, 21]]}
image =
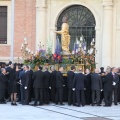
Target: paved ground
{"points": [[56, 112]]}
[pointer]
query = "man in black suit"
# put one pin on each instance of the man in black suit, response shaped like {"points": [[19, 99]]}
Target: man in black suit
{"points": [[46, 84], [53, 83], [3, 85], [88, 92], [30, 84], [96, 86], [38, 85], [115, 84], [70, 78], [59, 86], [22, 84], [78, 85], [108, 88], [27, 84]]}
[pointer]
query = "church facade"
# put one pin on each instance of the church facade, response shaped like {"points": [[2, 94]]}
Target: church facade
{"points": [[36, 21]]}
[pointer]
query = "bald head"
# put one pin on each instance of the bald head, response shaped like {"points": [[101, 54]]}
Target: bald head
{"points": [[97, 71]]}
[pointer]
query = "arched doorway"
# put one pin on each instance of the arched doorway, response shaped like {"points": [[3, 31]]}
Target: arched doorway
{"points": [[81, 22]]}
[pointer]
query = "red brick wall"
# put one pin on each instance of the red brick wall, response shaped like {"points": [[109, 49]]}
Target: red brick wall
{"points": [[25, 26], [4, 51]]}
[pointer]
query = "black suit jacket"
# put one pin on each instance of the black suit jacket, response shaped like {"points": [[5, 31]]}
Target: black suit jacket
{"points": [[53, 79], [38, 78], [27, 79], [31, 79], [59, 80], [46, 79], [88, 81], [22, 77], [70, 78], [78, 82], [3, 81], [116, 80], [96, 82], [108, 81]]}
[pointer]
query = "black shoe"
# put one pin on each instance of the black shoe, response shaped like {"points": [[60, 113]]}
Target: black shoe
{"points": [[78, 106], [92, 104], [61, 104], [15, 104], [116, 104], [4, 102], [12, 103], [40, 104], [56, 103], [106, 105], [98, 105], [74, 104], [34, 104]]}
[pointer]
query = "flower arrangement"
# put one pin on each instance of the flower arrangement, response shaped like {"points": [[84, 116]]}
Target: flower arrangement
{"points": [[79, 56]]}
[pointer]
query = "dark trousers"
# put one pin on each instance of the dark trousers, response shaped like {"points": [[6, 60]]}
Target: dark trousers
{"points": [[27, 96], [52, 94], [59, 95], [46, 95], [97, 94], [71, 96], [101, 96], [88, 96], [22, 93], [115, 95], [2, 94], [80, 97], [38, 95], [108, 98], [18, 92]]}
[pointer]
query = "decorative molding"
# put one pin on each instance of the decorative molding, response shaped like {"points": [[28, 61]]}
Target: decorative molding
{"points": [[107, 3], [41, 4]]}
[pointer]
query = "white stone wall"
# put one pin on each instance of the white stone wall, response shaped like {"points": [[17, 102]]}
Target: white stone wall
{"points": [[107, 45]]}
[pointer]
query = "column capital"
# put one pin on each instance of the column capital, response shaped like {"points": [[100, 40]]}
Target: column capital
{"points": [[41, 4], [107, 3]]}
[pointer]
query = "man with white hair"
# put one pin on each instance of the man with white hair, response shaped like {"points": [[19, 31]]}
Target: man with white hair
{"points": [[96, 86]]}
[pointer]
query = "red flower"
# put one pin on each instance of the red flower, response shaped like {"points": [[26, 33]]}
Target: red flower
{"points": [[59, 57], [54, 55]]}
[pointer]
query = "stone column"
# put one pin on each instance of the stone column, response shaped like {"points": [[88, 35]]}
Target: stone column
{"points": [[107, 33], [41, 32]]}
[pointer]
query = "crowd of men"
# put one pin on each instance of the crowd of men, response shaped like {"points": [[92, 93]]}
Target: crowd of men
{"points": [[18, 83]]}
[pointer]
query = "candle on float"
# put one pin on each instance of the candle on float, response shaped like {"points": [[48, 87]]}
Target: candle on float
{"points": [[91, 43], [25, 38], [25, 42], [85, 48], [26, 49], [21, 45], [29, 50], [77, 42], [73, 52], [93, 40], [32, 52], [88, 51], [80, 45], [81, 39]]}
